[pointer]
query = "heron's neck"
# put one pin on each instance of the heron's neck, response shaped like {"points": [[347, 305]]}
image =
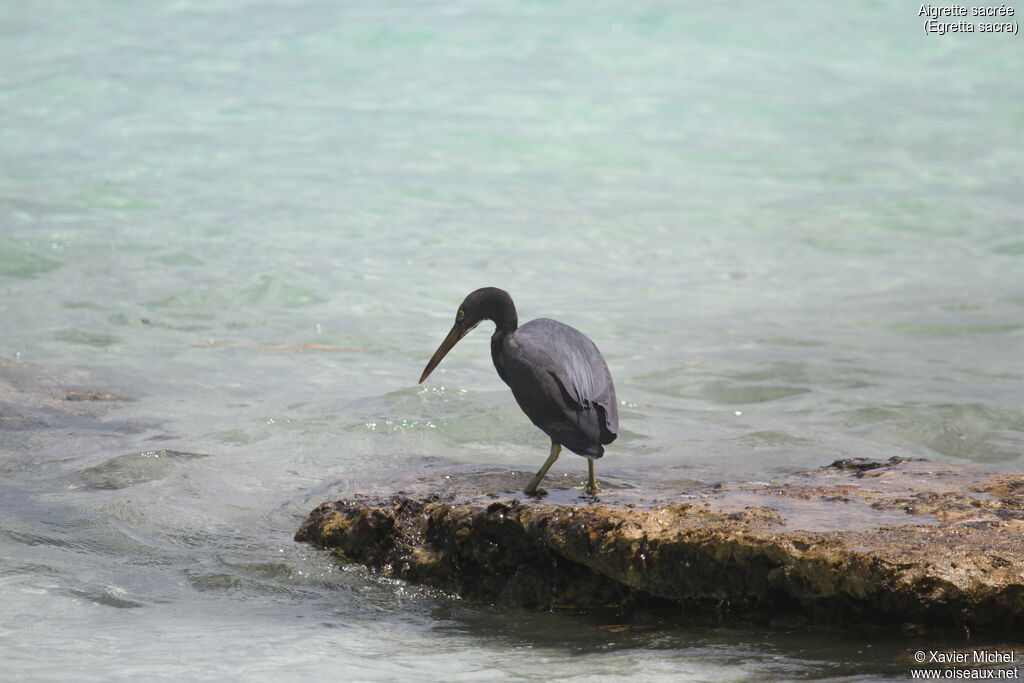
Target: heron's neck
{"points": [[503, 326], [508, 322], [503, 312]]}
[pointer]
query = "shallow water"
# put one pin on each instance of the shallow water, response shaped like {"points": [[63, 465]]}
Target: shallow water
{"points": [[794, 231]]}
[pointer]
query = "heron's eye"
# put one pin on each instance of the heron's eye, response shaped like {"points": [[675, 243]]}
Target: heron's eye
{"points": [[462, 314]]}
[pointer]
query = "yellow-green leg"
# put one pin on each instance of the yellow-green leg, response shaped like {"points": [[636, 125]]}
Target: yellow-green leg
{"points": [[531, 488], [591, 481]]}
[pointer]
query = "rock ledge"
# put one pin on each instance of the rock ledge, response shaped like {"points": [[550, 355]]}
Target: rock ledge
{"points": [[906, 541]]}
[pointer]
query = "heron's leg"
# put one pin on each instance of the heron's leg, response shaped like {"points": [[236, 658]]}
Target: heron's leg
{"points": [[531, 488], [591, 481]]}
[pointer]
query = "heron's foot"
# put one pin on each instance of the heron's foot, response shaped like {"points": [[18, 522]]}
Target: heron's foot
{"points": [[592, 488], [532, 489]]}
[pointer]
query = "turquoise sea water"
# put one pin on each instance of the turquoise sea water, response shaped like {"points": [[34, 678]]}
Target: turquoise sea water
{"points": [[796, 231]]}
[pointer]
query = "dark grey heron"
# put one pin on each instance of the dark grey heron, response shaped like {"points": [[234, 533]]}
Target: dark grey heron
{"points": [[557, 375]]}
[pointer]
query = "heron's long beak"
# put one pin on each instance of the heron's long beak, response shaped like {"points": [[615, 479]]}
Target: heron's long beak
{"points": [[451, 340]]}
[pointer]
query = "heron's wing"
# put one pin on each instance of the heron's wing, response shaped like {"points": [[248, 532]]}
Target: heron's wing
{"points": [[560, 378]]}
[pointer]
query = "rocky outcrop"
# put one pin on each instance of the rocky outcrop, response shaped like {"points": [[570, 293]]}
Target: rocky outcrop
{"points": [[905, 541]]}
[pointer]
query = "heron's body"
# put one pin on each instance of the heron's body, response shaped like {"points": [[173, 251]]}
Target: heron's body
{"points": [[557, 375], [561, 382]]}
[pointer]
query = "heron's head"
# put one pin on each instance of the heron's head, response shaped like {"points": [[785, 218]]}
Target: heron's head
{"points": [[488, 303]]}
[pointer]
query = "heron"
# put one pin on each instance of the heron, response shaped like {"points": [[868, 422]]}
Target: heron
{"points": [[557, 375]]}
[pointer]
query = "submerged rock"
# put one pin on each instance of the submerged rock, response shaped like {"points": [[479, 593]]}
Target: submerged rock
{"points": [[905, 541]]}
